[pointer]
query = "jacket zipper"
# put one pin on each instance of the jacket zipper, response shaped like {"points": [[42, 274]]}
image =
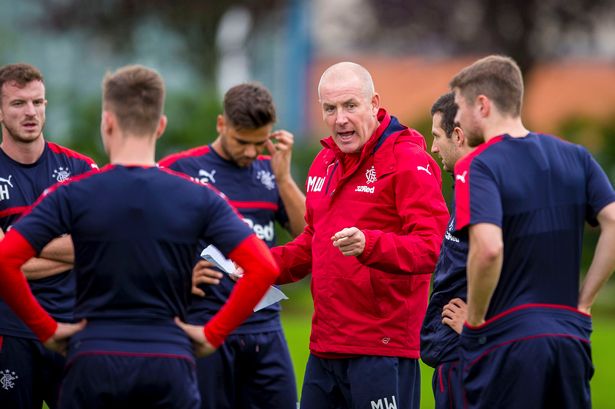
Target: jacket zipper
{"points": [[331, 177]]}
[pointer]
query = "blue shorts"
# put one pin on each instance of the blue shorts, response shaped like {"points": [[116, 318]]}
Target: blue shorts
{"points": [[29, 374], [249, 371], [97, 381], [529, 359], [447, 386], [363, 382]]}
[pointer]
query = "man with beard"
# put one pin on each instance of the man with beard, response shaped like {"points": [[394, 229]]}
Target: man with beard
{"points": [[446, 310], [523, 198], [29, 164], [135, 246], [253, 367]]}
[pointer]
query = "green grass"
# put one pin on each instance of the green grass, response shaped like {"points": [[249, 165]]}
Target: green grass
{"points": [[296, 318]]}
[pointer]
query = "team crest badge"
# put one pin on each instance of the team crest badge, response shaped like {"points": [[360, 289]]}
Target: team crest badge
{"points": [[266, 178], [7, 379], [61, 174], [370, 175]]}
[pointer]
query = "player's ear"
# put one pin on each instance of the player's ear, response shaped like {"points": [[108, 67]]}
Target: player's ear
{"points": [[484, 105], [458, 136], [220, 124], [107, 123], [162, 125]]}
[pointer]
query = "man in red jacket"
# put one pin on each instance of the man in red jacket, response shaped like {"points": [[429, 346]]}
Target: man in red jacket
{"points": [[375, 220]]}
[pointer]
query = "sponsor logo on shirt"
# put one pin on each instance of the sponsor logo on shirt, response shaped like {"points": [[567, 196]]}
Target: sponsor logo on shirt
{"points": [[61, 174], [206, 177], [5, 183], [370, 177], [462, 177], [265, 232], [315, 183], [365, 189], [7, 379], [266, 178]]}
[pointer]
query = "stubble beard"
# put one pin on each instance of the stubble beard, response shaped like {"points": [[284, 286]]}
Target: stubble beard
{"points": [[23, 138]]}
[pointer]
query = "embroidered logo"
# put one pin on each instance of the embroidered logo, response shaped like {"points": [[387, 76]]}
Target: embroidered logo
{"points": [[424, 169], [462, 177], [370, 175], [206, 177], [315, 183], [384, 403], [266, 178], [61, 174], [4, 187], [7, 381]]}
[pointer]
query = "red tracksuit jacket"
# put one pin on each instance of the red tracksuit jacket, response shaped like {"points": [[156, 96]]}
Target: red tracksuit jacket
{"points": [[372, 304]]}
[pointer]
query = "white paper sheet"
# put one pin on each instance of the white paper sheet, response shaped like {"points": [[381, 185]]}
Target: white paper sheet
{"points": [[213, 255]]}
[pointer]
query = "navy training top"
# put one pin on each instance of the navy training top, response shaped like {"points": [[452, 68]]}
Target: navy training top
{"points": [[253, 191], [439, 342], [20, 186], [540, 190], [135, 231]]}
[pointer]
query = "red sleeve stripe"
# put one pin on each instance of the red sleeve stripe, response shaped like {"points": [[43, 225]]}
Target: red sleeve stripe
{"points": [[14, 210], [15, 250], [255, 205], [171, 159], [71, 153], [260, 271], [462, 192]]}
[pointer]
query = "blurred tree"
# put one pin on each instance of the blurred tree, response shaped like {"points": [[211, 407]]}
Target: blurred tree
{"points": [[527, 30], [116, 21]]}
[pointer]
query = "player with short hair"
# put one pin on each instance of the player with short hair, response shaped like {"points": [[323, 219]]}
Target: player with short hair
{"points": [[135, 228], [30, 374], [253, 368], [446, 310], [523, 198]]}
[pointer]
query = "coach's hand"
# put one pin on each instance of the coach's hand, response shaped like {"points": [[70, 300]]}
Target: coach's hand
{"points": [[195, 332], [58, 342], [454, 314], [203, 273], [350, 241]]}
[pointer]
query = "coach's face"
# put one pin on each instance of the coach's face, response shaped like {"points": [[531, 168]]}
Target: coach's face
{"points": [[349, 111], [468, 119], [242, 146]]}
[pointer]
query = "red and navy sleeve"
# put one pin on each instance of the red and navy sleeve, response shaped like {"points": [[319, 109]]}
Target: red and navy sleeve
{"points": [[15, 291], [477, 195]]}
